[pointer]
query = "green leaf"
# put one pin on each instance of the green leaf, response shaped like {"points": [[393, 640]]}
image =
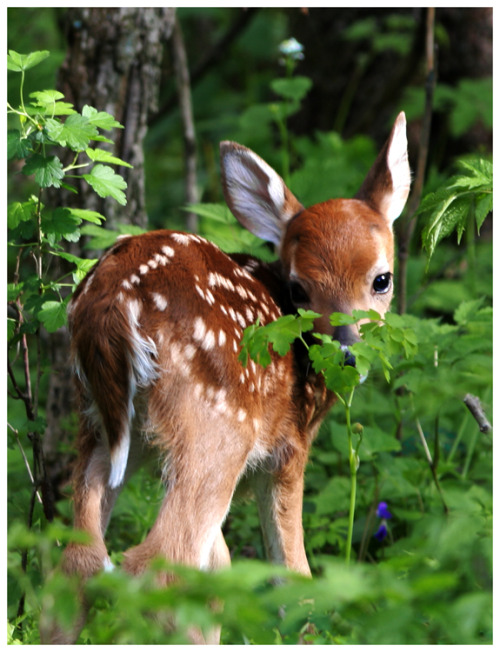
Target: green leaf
{"points": [[484, 206], [20, 212], [48, 170], [102, 238], [467, 310], [341, 319], [87, 215], [106, 183], [102, 156], [11, 328], [76, 132], [215, 212], [61, 223], [450, 208], [19, 62], [83, 265], [377, 441], [341, 380], [295, 88], [53, 315], [100, 119], [49, 102], [17, 147]]}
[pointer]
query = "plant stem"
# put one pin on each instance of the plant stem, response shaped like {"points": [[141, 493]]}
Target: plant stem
{"points": [[431, 465], [352, 507], [408, 222], [353, 466]]}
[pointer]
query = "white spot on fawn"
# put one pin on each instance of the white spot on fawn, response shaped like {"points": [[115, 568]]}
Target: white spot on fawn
{"points": [[181, 238], [168, 251], [159, 301], [189, 351], [209, 341], [199, 329]]}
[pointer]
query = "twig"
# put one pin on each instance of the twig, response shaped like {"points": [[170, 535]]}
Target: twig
{"points": [[218, 51], [26, 462], [431, 465], [185, 105], [475, 408], [407, 226]]}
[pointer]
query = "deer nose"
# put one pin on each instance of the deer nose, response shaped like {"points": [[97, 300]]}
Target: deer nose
{"points": [[349, 358], [346, 337]]}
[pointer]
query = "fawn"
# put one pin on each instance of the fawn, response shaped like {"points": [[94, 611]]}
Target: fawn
{"points": [[156, 329]]}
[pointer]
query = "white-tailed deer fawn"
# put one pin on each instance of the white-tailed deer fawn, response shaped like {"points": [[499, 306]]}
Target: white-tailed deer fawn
{"points": [[156, 329]]}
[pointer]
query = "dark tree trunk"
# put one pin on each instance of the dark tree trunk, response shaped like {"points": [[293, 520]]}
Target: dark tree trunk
{"points": [[113, 63]]}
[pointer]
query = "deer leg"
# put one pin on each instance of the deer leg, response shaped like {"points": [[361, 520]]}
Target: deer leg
{"points": [[219, 555], [203, 473], [279, 501], [187, 529], [93, 502]]}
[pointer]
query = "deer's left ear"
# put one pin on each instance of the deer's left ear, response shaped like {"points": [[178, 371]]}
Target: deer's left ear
{"points": [[387, 184], [256, 195]]}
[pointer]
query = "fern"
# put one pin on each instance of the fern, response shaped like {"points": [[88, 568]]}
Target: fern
{"points": [[467, 196]]}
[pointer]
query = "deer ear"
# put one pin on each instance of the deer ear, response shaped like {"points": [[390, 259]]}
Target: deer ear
{"points": [[387, 184], [255, 193]]}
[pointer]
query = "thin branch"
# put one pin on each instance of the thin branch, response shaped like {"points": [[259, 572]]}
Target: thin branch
{"points": [[475, 408], [217, 52], [26, 462], [432, 466], [185, 105], [407, 226]]}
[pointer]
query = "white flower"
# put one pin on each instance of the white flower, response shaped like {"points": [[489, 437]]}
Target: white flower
{"points": [[292, 48]]}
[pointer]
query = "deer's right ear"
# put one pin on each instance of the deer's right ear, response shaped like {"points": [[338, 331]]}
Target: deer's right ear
{"points": [[256, 195]]}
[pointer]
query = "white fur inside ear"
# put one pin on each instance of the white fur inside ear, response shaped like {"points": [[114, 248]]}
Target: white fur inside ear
{"points": [[257, 194], [397, 162]]}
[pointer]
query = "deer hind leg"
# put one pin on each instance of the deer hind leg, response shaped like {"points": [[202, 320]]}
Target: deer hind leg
{"points": [[93, 501], [187, 529], [279, 497], [203, 470]]}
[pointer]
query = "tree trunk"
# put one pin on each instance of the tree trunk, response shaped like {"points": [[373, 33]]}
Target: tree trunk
{"points": [[113, 63]]}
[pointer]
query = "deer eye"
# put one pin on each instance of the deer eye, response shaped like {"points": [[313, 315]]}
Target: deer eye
{"points": [[382, 283], [297, 293]]}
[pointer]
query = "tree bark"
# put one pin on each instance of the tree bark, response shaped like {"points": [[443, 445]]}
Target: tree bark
{"points": [[113, 63]]}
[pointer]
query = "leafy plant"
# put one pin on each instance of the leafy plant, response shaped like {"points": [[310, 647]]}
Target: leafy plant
{"points": [[44, 130], [329, 359], [423, 575], [466, 198]]}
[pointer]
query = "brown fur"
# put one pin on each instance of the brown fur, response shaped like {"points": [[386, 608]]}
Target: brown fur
{"points": [[156, 330]]}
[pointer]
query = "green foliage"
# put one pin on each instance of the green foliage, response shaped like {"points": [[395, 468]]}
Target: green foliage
{"points": [[35, 230], [466, 197], [38, 140], [429, 581], [219, 225], [464, 105]]}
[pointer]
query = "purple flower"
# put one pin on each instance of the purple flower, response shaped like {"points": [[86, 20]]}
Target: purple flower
{"points": [[381, 533], [382, 511]]}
